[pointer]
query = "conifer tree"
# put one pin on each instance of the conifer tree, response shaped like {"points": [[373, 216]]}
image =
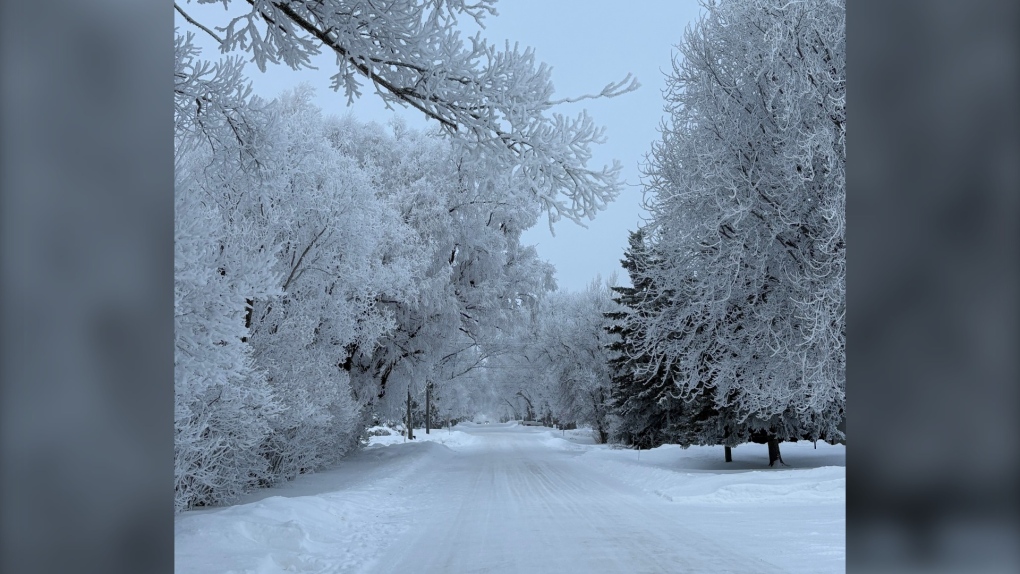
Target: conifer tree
{"points": [[639, 411]]}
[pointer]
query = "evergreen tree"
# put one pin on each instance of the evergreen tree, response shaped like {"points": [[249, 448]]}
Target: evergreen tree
{"points": [[645, 414]]}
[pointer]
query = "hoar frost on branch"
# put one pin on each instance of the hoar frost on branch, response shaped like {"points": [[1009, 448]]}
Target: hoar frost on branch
{"points": [[498, 103], [747, 195], [223, 405], [476, 280]]}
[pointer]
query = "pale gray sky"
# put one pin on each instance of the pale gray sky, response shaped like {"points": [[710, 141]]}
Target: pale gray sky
{"points": [[589, 44]]}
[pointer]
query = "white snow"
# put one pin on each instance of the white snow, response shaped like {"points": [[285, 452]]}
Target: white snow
{"points": [[508, 498]]}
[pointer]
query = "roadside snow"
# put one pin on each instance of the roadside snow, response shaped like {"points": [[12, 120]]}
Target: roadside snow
{"points": [[795, 515], [452, 438], [699, 474], [332, 521]]}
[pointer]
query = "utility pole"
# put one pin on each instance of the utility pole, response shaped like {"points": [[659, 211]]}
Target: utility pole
{"points": [[428, 407], [410, 426]]}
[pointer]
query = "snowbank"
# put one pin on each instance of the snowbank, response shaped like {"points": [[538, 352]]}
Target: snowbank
{"points": [[700, 474], [451, 438], [336, 520]]}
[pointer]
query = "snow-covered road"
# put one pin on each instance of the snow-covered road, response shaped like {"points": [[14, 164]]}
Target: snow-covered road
{"points": [[513, 504], [505, 498]]}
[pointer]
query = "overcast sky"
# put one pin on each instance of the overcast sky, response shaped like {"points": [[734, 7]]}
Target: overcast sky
{"points": [[589, 44]]}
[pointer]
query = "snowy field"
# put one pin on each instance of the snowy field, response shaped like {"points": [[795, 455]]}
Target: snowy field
{"points": [[508, 498]]}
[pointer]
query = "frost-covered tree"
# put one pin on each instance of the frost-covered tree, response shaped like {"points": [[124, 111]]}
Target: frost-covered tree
{"points": [[223, 405], [290, 229], [568, 353], [747, 194], [476, 279], [646, 407], [642, 408], [498, 104], [339, 249]]}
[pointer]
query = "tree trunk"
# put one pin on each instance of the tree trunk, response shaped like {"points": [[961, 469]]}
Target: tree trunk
{"points": [[410, 425], [428, 407], [729, 454], [516, 414], [529, 414], [774, 452]]}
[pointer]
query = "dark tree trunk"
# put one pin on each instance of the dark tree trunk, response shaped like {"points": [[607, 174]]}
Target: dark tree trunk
{"points": [[382, 380], [249, 308], [410, 422], [516, 414], [428, 407], [774, 452], [529, 414], [729, 454]]}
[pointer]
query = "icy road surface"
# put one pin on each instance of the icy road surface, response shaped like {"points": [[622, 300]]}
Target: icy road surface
{"points": [[506, 498]]}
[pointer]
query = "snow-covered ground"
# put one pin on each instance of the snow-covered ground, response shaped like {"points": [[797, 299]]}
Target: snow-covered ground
{"points": [[507, 498]]}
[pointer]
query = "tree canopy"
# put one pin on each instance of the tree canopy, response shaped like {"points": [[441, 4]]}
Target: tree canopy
{"points": [[320, 262], [497, 103]]}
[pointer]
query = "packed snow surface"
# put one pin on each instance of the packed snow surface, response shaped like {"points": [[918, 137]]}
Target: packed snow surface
{"points": [[508, 498]]}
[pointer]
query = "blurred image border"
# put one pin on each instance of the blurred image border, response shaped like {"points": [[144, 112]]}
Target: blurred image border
{"points": [[87, 287], [932, 206]]}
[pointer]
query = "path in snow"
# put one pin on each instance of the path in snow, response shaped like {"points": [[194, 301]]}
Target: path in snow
{"points": [[507, 498], [513, 504]]}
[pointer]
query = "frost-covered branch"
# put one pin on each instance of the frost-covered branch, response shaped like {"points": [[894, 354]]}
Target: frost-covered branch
{"points": [[497, 103], [198, 25]]}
